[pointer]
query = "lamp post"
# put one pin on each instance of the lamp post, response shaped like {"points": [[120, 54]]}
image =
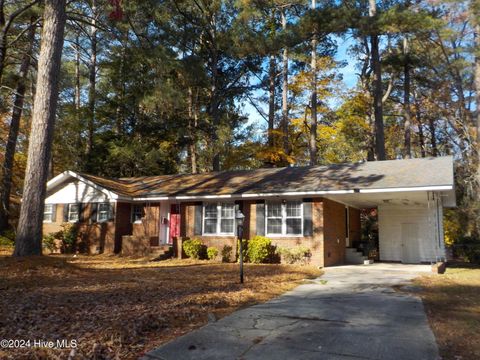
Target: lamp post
{"points": [[239, 217]]}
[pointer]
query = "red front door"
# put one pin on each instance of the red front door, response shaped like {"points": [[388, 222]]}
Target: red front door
{"points": [[174, 222]]}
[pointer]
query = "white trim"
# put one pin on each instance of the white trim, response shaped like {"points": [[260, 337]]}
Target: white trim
{"points": [[242, 196], [109, 212], [66, 174], [153, 198], [51, 212], [78, 213], [299, 193], [407, 189]]}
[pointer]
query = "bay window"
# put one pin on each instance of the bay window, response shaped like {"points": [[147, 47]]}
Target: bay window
{"points": [[284, 218], [219, 219]]}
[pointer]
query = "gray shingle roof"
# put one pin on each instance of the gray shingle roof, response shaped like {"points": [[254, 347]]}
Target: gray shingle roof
{"points": [[367, 175]]}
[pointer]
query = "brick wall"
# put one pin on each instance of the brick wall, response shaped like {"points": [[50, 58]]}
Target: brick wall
{"points": [[327, 244], [54, 226], [334, 232], [314, 242], [187, 219], [92, 238], [123, 224], [354, 225], [150, 225]]}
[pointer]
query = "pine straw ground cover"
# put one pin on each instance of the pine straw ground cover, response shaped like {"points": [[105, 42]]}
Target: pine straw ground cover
{"points": [[452, 303], [118, 308]]}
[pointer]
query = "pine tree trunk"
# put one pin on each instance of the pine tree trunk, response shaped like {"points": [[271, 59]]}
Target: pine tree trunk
{"points": [[377, 89], [286, 147], [7, 168], [421, 136], [477, 74], [92, 78], [406, 101], [192, 125], [271, 100], [77, 77], [77, 101], [29, 232], [313, 101]]}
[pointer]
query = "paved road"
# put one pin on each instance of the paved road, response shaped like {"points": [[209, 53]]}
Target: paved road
{"points": [[354, 315]]}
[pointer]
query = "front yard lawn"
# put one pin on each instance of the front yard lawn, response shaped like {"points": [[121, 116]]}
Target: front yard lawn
{"points": [[452, 303], [118, 308]]}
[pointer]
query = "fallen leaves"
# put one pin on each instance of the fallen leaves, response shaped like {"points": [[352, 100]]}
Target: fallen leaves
{"points": [[452, 302], [118, 308]]}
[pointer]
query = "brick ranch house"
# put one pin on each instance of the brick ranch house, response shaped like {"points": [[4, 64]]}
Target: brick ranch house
{"points": [[318, 207]]}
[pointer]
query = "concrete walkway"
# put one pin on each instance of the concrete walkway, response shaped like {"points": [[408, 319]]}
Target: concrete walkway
{"points": [[354, 315]]}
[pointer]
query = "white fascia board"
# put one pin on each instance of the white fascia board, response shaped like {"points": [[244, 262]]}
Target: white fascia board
{"points": [[407, 189], [243, 196], [66, 174], [153, 198], [299, 193], [58, 179]]}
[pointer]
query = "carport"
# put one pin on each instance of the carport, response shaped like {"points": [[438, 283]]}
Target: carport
{"points": [[410, 203]]}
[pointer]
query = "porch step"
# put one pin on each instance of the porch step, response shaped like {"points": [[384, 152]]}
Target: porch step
{"points": [[353, 256]]}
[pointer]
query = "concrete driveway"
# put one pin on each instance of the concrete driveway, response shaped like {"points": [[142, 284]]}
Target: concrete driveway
{"points": [[351, 312]]}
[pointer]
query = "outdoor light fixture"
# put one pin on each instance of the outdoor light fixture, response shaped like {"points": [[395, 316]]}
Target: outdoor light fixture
{"points": [[239, 217]]}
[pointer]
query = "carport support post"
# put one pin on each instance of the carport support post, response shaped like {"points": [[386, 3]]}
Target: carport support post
{"points": [[239, 217]]}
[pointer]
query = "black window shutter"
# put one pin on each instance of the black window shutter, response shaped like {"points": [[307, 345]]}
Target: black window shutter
{"points": [[111, 212], [197, 221], [54, 213], [260, 217], [65, 212], [307, 217], [93, 212]]}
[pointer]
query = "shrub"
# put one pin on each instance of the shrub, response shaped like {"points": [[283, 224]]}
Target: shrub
{"points": [[4, 241], [259, 249], [68, 235], [294, 255], [193, 248], [48, 242], [212, 253], [227, 253], [468, 248]]}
